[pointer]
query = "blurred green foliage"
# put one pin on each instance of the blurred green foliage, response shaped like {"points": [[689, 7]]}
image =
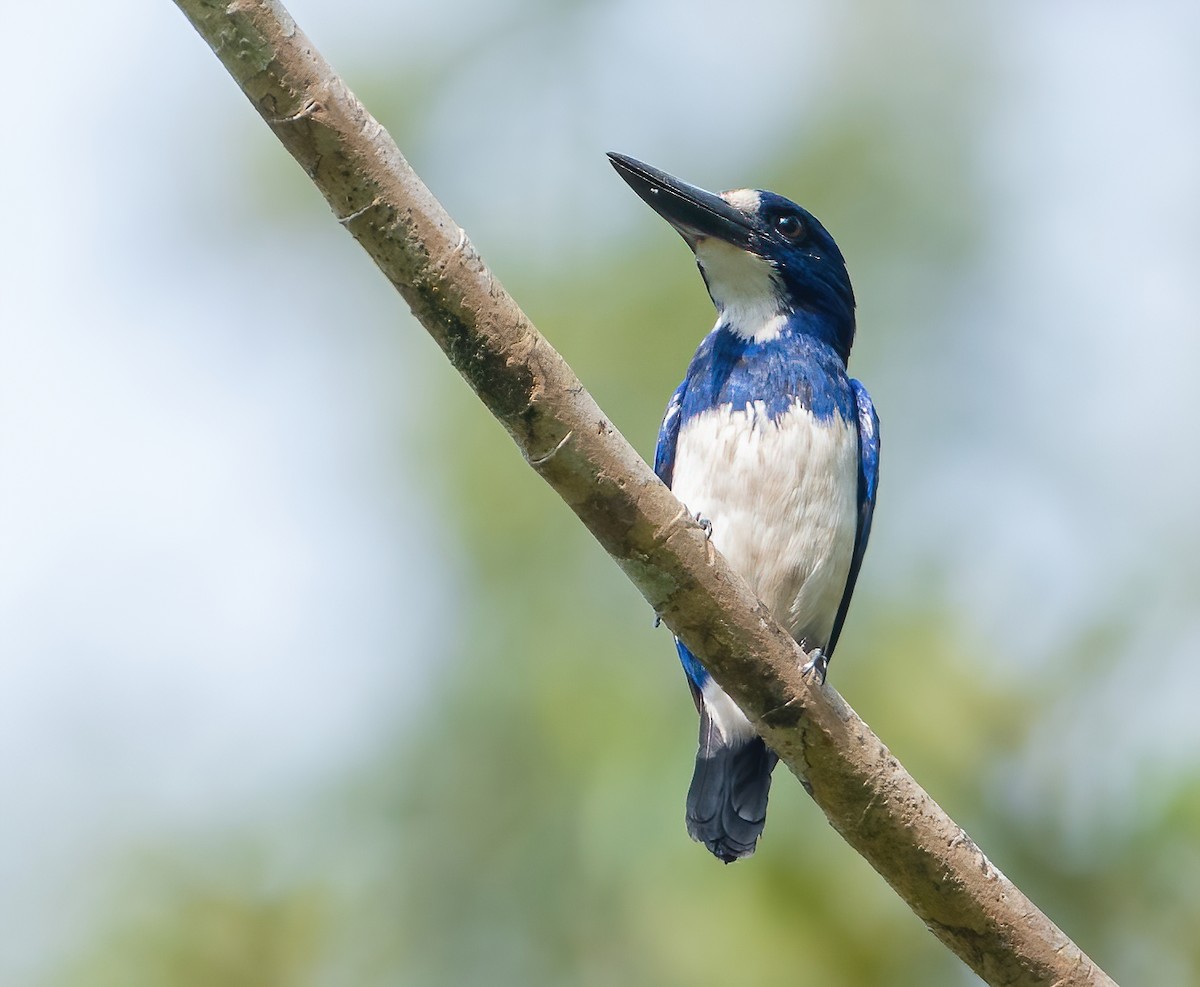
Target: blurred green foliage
{"points": [[528, 828]]}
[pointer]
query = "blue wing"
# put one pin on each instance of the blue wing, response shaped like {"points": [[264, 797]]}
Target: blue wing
{"points": [[664, 466], [668, 436], [868, 484]]}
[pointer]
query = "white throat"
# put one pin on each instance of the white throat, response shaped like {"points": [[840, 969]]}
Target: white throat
{"points": [[744, 288]]}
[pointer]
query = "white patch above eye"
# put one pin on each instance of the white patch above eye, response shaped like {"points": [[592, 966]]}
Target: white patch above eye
{"points": [[745, 199], [743, 287]]}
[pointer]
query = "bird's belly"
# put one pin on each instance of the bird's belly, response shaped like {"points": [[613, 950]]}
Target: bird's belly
{"points": [[782, 499]]}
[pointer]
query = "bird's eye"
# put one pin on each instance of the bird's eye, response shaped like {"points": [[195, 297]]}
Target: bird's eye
{"points": [[790, 226]]}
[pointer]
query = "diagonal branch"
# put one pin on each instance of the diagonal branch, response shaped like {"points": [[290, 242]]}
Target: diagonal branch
{"points": [[864, 791]]}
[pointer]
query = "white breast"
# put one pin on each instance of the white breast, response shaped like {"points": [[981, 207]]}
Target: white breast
{"points": [[782, 499]]}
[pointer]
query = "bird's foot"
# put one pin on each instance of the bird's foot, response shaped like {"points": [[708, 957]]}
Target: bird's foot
{"points": [[817, 662]]}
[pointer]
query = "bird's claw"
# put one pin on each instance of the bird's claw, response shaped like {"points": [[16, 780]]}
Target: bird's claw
{"points": [[817, 662]]}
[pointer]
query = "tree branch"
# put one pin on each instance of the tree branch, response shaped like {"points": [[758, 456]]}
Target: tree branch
{"points": [[864, 791]]}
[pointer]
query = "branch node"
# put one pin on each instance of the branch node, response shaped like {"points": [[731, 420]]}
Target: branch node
{"points": [[351, 217], [310, 107], [788, 713], [542, 460]]}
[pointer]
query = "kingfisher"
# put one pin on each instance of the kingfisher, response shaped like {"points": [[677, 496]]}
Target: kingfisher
{"points": [[773, 447]]}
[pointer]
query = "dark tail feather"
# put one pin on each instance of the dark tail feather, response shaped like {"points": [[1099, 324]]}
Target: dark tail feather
{"points": [[727, 802]]}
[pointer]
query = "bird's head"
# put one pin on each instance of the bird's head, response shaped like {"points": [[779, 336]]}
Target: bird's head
{"points": [[768, 263]]}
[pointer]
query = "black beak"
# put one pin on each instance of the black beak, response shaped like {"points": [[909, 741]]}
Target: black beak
{"points": [[693, 212]]}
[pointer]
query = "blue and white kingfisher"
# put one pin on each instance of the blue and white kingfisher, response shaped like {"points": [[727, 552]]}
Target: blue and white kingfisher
{"points": [[773, 446]]}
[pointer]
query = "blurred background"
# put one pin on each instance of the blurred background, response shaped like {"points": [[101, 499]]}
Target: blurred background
{"points": [[306, 679]]}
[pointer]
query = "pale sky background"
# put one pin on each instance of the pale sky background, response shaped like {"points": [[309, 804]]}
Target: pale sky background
{"points": [[207, 582]]}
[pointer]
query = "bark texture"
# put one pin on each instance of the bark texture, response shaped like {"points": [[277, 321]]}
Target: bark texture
{"points": [[864, 791]]}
